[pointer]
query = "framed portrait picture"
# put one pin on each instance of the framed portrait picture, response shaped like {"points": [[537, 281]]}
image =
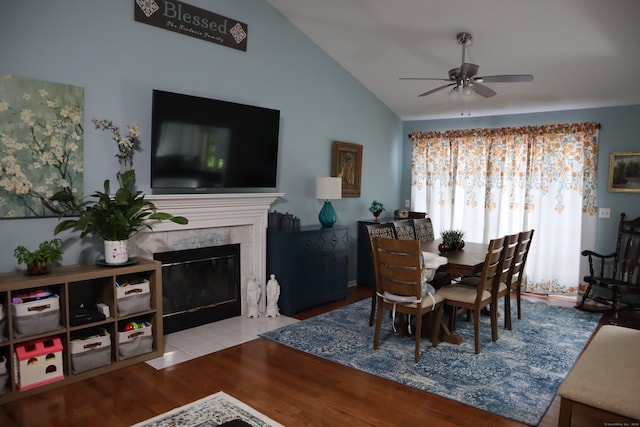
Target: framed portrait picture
{"points": [[347, 164], [624, 172]]}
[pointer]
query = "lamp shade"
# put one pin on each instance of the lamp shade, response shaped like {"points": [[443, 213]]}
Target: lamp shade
{"points": [[328, 188]]}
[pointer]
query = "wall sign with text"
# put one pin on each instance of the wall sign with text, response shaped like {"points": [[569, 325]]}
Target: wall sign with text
{"points": [[192, 21]]}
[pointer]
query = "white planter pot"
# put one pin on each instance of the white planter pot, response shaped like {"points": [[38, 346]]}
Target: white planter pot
{"points": [[116, 251]]}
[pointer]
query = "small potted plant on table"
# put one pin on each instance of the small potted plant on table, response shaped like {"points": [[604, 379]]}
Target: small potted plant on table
{"points": [[451, 240], [40, 260]]}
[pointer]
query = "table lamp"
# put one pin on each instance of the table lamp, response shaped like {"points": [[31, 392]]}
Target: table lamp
{"points": [[328, 188]]}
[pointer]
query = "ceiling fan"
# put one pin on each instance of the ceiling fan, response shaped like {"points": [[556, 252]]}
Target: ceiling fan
{"points": [[464, 79]]}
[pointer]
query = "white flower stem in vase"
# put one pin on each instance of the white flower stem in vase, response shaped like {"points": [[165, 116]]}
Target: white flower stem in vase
{"points": [[126, 164]]}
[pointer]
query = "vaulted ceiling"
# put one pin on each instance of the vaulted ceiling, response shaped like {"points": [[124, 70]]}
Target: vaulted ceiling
{"points": [[582, 53]]}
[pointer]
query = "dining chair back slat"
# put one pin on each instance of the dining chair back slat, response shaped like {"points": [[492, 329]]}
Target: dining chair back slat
{"points": [[403, 230], [516, 274], [398, 268], [502, 286], [423, 229], [384, 230]]}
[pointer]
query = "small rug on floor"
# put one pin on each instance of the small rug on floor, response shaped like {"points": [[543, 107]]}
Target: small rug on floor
{"points": [[218, 409], [516, 377]]}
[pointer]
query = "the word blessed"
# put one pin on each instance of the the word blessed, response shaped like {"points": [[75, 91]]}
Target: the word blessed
{"points": [[175, 11]]}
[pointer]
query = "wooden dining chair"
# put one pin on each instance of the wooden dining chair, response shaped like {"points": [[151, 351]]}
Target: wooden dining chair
{"points": [[401, 287], [377, 230], [423, 229], [474, 298], [517, 275], [404, 229], [502, 287]]}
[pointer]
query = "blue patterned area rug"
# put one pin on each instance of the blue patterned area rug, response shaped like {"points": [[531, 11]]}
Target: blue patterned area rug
{"points": [[516, 377], [218, 409]]}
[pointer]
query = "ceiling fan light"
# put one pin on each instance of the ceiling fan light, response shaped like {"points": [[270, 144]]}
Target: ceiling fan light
{"points": [[467, 91]]}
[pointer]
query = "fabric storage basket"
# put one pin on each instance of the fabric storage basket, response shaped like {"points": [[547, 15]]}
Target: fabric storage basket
{"points": [[36, 317], [3, 322], [133, 298], [4, 375], [135, 342], [91, 351]]}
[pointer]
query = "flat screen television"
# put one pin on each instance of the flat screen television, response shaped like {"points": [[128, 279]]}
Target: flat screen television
{"points": [[208, 145]]}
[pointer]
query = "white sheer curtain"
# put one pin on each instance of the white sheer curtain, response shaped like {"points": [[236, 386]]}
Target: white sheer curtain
{"points": [[492, 182]]}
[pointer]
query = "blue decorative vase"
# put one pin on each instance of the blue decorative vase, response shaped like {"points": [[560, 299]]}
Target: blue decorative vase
{"points": [[327, 215]]}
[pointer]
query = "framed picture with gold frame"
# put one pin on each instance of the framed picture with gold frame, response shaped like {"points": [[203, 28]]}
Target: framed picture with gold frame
{"points": [[624, 172], [347, 164]]}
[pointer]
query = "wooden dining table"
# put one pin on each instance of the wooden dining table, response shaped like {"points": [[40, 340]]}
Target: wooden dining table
{"points": [[462, 262]]}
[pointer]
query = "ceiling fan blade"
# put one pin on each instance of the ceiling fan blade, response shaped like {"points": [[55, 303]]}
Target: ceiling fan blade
{"points": [[435, 90], [468, 70], [425, 78], [506, 78], [483, 90]]}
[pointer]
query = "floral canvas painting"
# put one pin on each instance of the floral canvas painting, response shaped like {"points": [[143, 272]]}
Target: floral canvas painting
{"points": [[41, 141]]}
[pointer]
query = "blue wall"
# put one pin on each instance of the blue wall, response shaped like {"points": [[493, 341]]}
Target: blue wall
{"points": [[118, 61], [99, 46], [619, 132]]}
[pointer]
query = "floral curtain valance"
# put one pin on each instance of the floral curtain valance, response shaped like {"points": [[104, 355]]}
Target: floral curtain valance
{"points": [[530, 156]]}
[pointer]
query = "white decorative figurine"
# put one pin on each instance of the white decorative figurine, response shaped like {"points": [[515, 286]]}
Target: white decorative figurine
{"points": [[253, 298], [273, 293]]}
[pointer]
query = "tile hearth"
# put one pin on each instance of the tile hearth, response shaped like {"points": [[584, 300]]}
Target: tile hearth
{"points": [[201, 340]]}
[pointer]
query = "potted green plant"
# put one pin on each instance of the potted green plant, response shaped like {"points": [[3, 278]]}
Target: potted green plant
{"points": [[451, 240], [40, 260], [376, 209], [114, 218]]}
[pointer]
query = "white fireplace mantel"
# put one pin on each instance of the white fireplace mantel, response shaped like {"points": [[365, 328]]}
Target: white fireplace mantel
{"points": [[207, 211], [214, 210]]}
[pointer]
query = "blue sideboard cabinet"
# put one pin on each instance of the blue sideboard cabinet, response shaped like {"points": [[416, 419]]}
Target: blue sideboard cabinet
{"points": [[310, 264]]}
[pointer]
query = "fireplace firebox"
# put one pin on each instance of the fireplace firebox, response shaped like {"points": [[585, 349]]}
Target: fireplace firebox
{"points": [[199, 286]]}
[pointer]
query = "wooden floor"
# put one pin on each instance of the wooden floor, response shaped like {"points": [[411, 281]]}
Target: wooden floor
{"points": [[289, 386]]}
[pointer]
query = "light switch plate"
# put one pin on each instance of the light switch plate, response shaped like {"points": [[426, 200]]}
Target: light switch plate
{"points": [[604, 213]]}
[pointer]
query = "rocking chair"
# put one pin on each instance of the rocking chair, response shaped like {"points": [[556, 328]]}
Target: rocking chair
{"points": [[614, 279]]}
